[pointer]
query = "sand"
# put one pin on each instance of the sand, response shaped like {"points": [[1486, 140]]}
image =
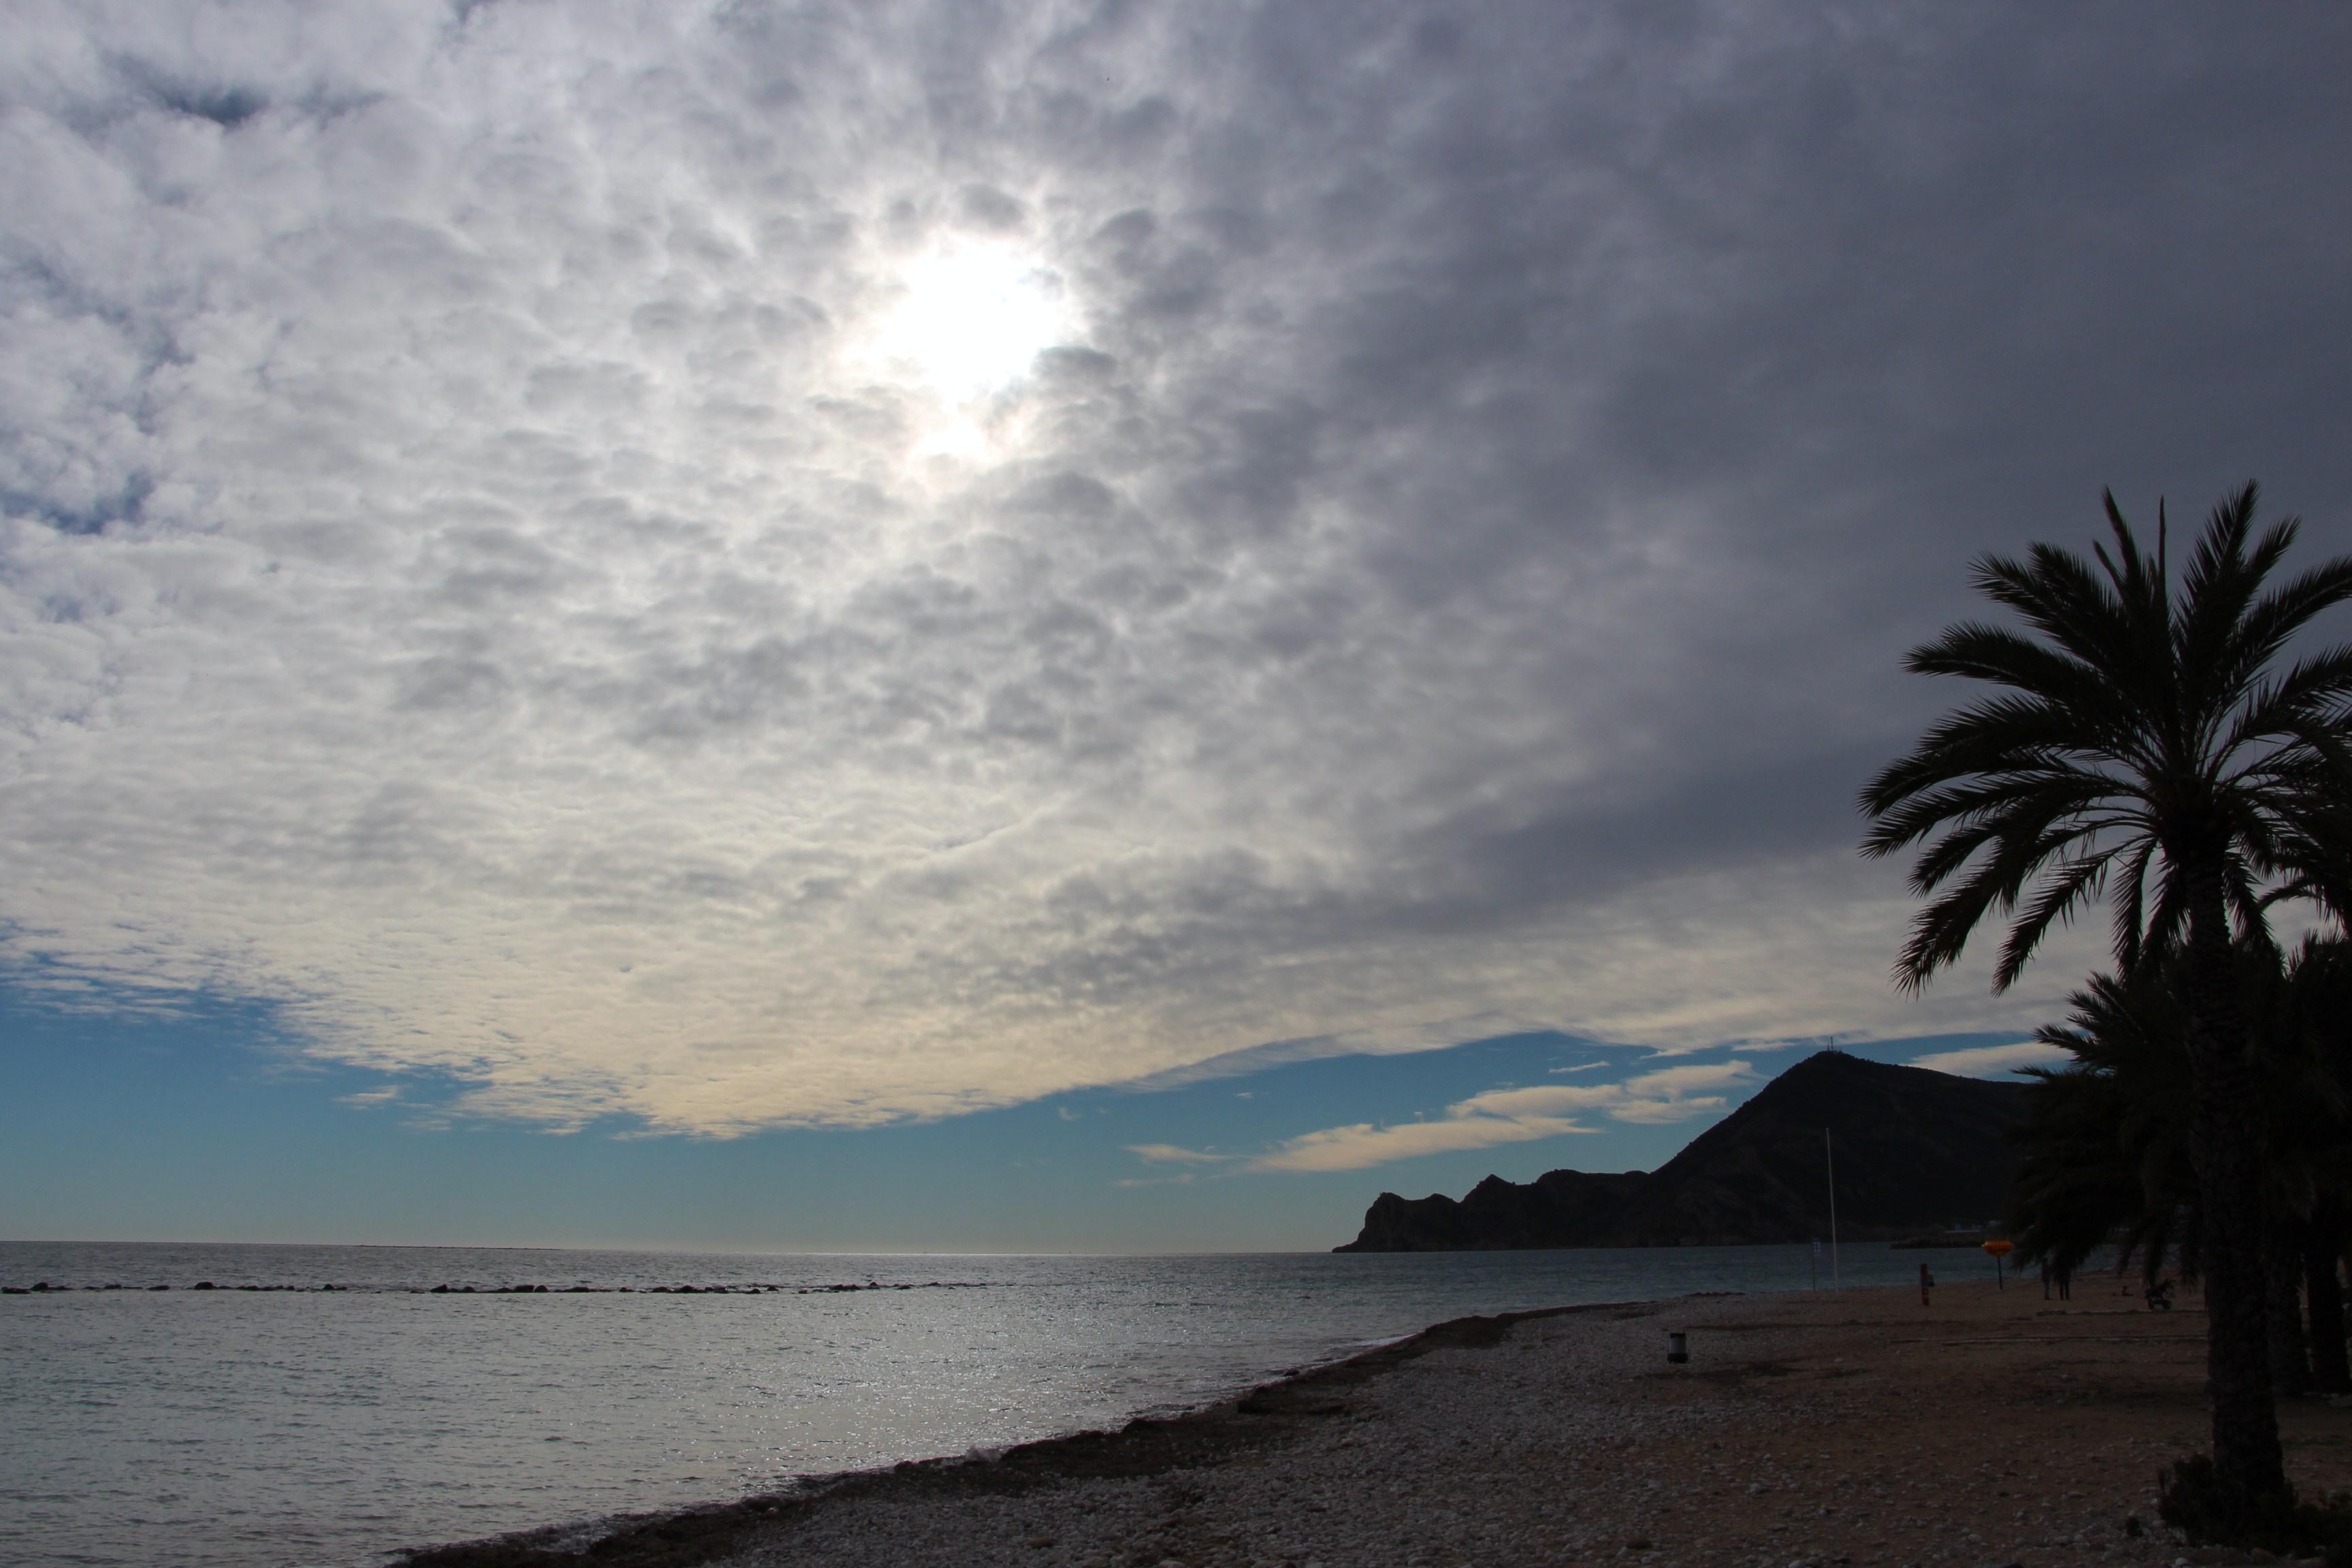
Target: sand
{"points": [[1857, 1427]]}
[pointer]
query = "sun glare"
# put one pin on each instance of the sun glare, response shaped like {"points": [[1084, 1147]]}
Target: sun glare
{"points": [[973, 319]]}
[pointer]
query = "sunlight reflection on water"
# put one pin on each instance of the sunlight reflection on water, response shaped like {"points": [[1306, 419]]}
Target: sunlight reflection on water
{"points": [[277, 1428]]}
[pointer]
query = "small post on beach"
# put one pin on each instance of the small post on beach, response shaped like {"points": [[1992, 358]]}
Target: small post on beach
{"points": [[1829, 1153], [1814, 1268], [1677, 1347], [1997, 1249]]}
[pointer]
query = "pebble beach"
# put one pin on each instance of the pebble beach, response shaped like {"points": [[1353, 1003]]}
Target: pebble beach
{"points": [[1991, 1427]]}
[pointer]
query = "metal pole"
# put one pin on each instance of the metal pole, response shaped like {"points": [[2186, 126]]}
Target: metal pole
{"points": [[1829, 1153]]}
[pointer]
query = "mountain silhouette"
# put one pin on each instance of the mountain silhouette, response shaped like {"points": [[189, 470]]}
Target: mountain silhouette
{"points": [[1917, 1150]]}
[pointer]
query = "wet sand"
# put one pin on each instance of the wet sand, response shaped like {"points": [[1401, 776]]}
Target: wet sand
{"points": [[1849, 1428]]}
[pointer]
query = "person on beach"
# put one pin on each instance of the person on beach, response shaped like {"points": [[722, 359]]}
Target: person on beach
{"points": [[1926, 1283]]}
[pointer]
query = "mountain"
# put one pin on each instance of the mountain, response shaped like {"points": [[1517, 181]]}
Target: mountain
{"points": [[1915, 1150]]}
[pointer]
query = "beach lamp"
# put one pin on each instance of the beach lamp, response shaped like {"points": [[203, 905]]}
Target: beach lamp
{"points": [[1677, 1347], [1997, 1249]]}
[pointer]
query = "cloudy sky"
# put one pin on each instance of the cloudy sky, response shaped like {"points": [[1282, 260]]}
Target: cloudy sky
{"points": [[744, 571]]}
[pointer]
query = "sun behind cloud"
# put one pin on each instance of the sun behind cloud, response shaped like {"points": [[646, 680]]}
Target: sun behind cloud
{"points": [[969, 318], [587, 562]]}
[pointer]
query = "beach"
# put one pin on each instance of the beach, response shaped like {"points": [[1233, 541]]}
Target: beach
{"points": [[1844, 1428]]}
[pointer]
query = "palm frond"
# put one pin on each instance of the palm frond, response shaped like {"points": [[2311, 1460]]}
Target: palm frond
{"points": [[2307, 699], [2138, 744], [2073, 882], [2130, 900]]}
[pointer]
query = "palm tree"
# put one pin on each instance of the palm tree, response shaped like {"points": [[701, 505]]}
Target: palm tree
{"points": [[2312, 1026], [2104, 1153], [2145, 747]]}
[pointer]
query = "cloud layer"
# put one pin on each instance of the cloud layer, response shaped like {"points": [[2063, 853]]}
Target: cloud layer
{"points": [[1504, 1116], [1487, 1121], [480, 567], [1994, 1061]]}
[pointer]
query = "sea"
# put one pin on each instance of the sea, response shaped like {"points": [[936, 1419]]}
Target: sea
{"points": [[328, 1405]]}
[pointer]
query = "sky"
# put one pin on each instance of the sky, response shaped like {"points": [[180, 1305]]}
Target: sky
{"points": [[770, 611]]}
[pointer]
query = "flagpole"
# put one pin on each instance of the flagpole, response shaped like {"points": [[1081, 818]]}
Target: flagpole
{"points": [[1829, 1153]]}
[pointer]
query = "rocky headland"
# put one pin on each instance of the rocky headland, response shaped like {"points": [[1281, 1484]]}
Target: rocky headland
{"points": [[1916, 1152]]}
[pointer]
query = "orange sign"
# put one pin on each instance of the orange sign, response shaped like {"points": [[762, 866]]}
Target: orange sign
{"points": [[2000, 1248]]}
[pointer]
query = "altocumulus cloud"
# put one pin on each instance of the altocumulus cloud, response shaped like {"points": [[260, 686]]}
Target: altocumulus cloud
{"points": [[479, 572]]}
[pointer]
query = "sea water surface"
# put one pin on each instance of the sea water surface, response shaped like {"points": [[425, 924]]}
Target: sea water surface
{"points": [[291, 1425]]}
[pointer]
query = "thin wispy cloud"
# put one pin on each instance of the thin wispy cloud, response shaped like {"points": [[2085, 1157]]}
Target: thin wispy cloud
{"points": [[1362, 1146], [1488, 1120], [1398, 516], [1170, 1153], [1994, 1061], [1183, 1179]]}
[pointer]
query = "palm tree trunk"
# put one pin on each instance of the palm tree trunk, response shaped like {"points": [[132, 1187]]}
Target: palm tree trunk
{"points": [[2331, 1369], [2282, 1295], [2225, 1143]]}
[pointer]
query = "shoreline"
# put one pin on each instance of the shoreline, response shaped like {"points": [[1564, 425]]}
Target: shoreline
{"points": [[1145, 1445], [1845, 1426]]}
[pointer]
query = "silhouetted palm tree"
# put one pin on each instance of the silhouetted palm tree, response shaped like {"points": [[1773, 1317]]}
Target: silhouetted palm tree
{"points": [[2146, 748], [2308, 1046], [2104, 1151]]}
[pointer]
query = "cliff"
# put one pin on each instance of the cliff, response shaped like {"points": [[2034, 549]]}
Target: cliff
{"points": [[1915, 1150]]}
